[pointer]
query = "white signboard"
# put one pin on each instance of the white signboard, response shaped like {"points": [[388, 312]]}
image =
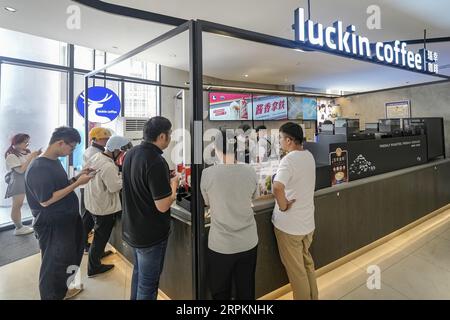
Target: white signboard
{"points": [[398, 110]]}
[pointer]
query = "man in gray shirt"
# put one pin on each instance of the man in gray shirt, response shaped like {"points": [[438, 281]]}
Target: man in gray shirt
{"points": [[228, 189]]}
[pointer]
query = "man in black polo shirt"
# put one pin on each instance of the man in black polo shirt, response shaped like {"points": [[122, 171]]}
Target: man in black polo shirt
{"points": [[147, 194]]}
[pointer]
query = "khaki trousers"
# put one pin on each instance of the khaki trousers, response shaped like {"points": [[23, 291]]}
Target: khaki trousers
{"points": [[298, 262]]}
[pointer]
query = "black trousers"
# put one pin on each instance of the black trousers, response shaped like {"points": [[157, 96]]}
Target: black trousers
{"points": [[226, 270], [60, 237], [102, 231], [88, 221]]}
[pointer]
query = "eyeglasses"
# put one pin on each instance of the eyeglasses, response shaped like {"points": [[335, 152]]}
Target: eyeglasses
{"points": [[71, 145]]}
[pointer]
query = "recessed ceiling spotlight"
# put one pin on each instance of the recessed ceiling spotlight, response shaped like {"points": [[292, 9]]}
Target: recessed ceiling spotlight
{"points": [[10, 9], [246, 75], [299, 50]]}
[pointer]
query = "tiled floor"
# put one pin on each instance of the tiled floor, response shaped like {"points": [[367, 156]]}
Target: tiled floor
{"points": [[414, 265]]}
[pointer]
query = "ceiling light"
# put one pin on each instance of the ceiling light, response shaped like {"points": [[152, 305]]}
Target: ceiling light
{"points": [[246, 75], [299, 50], [10, 9], [115, 47]]}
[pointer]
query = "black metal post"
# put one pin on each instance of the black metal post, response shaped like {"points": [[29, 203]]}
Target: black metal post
{"points": [[159, 91], [197, 207], [70, 89], [309, 9], [122, 98], [86, 114], [93, 66], [104, 71]]}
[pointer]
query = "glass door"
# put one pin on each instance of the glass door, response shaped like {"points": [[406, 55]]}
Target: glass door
{"points": [[32, 101]]}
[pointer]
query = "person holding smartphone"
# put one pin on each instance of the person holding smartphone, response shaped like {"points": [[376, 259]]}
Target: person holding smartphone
{"points": [[293, 215], [102, 199], [18, 157], [99, 137], [57, 220]]}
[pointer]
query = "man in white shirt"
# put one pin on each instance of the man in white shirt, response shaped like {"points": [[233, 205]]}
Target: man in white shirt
{"points": [[293, 215], [102, 200]]}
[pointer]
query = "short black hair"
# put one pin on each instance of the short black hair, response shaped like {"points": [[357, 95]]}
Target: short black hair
{"points": [[327, 122], [245, 127], [155, 126], [261, 127], [67, 134], [293, 131], [225, 141]]}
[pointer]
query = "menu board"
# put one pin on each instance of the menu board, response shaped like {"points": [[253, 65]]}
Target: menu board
{"points": [[230, 106], [301, 108], [269, 108], [265, 171], [339, 166]]}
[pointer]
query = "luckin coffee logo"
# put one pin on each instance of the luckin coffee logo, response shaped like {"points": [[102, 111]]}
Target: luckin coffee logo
{"points": [[103, 105], [335, 39]]}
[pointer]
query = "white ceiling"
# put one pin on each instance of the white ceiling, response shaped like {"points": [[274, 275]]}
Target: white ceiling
{"points": [[231, 58]]}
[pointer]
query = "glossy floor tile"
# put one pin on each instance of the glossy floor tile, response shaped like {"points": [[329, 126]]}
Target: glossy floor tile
{"points": [[384, 292], [413, 265], [418, 278]]}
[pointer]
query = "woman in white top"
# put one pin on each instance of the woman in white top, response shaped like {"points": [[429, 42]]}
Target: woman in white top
{"points": [[228, 189], [18, 157]]}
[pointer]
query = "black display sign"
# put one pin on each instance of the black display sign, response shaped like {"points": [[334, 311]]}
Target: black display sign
{"points": [[371, 157], [339, 166]]}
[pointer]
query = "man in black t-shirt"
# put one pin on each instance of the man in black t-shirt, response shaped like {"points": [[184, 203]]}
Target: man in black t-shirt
{"points": [[57, 221], [147, 194]]}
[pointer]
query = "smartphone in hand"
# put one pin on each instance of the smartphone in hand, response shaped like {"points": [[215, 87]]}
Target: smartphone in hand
{"points": [[93, 173]]}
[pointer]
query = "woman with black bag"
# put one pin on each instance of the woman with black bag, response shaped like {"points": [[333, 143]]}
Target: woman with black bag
{"points": [[18, 157]]}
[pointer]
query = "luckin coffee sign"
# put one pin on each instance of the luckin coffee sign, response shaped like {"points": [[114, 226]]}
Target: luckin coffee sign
{"points": [[337, 40]]}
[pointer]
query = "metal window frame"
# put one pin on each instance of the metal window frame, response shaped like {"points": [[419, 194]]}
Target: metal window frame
{"points": [[71, 71]]}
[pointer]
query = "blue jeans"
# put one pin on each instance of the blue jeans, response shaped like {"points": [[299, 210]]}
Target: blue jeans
{"points": [[148, 264]]}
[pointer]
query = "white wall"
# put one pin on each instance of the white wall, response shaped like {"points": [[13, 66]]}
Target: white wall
{"points": [[426, 101]]}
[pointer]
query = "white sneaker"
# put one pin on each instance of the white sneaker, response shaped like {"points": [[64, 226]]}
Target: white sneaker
{"points": [[23, 231]]}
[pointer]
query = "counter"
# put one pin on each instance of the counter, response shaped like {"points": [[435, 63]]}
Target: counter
{"points": [[348, 217]]}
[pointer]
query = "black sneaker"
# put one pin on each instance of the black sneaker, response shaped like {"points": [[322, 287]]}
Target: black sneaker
{"points": [[102, 269]]}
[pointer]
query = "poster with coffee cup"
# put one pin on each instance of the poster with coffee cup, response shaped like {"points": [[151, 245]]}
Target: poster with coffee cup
{"points": [[339, 166]]}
